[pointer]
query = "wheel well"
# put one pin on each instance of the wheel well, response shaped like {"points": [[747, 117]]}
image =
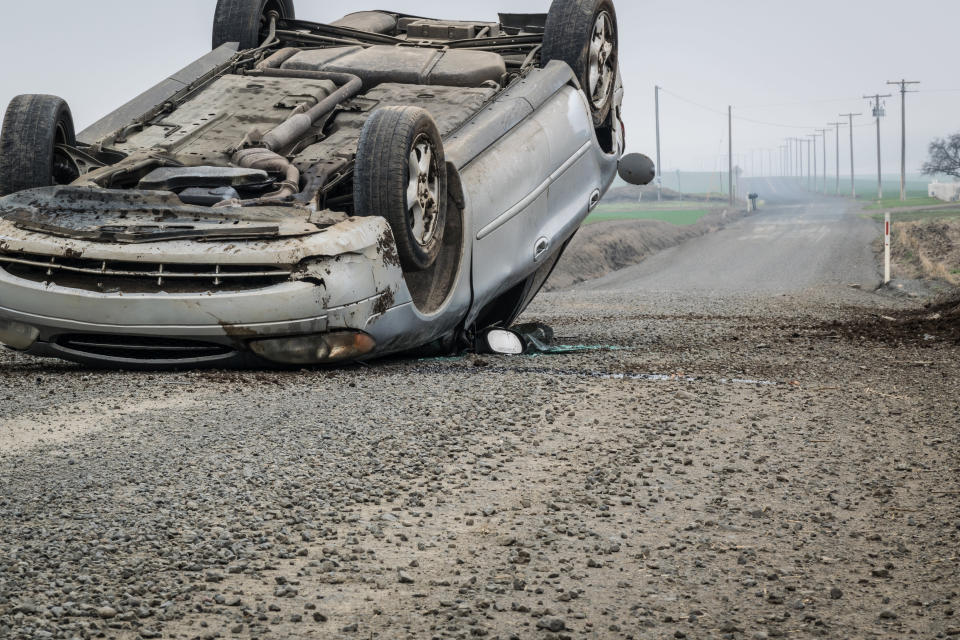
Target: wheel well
{"points": [[431, 288]]}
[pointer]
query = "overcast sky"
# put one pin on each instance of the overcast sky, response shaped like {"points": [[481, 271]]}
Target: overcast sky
{"points": [[796, 64]]}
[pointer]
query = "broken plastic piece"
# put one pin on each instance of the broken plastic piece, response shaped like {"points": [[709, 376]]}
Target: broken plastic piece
{"points": [[208, 197], [503, 342], [170, 178]]}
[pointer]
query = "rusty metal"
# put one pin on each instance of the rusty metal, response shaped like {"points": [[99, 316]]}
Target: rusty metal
{"points": [[109, 272], [267, 160], [298, 125]]}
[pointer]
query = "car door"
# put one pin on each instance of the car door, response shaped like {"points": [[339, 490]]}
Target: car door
{"points": [[575, 181], [518, 222], [507, 197]]}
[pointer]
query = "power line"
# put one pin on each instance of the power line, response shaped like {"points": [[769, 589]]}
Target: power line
{"points": [[796, 104], [772, 124], [722, 113], [694, 103]]}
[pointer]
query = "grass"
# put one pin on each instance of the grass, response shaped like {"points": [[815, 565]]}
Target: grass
{"points": [[913, 216], [867, 187], [674, 213], [896, 203]]}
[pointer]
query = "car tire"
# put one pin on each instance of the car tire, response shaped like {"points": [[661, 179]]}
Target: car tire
{"points": [[245, 21], [32, 128], [584, 34], [401, 175]]}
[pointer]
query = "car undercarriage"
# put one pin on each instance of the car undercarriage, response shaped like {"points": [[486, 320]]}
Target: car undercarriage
{"points": [[309, 193]]}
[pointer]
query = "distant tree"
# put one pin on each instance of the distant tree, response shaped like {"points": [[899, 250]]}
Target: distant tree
{"points": [[944, 157]]}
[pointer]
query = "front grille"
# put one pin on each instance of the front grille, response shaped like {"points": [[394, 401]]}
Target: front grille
{"points": [[142, 349], [139, 277]]}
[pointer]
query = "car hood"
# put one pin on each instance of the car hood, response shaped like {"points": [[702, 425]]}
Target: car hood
{"points": [[136, 217]]}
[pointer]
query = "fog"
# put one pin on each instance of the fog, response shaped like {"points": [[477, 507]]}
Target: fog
{"points": [[787, 67]]}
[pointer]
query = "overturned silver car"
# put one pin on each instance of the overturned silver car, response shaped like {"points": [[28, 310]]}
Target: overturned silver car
{"points": [[310, 193]]}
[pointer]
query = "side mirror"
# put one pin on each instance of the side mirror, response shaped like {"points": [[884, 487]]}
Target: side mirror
{"points": [[637, 169], [503, 342]]}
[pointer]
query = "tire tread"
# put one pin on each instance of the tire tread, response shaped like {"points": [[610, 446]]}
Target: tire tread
{"points": [[567, 35], [381, 174], [239, 21], [27, 141]]}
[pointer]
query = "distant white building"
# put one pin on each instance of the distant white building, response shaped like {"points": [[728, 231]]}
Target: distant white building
{"points": [[946, 191]]}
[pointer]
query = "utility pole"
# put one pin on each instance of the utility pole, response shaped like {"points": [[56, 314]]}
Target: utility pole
{"points": [[788, 158], [800, 157], [730, 152], [823, 133], [800, 146], [903, 134], [853, 184], [837, 125], [878, 112], [797, 167], [815, 172], [659, 174]]}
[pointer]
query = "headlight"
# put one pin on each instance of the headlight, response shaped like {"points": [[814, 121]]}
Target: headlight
{"points": [[17, 335], [316, 349]]}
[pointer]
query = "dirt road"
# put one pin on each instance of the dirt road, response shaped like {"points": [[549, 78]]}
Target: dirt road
{"points": [[742, 449], [788, 246]]}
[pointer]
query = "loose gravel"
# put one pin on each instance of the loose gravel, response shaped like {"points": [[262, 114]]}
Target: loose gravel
{"points": [[719, 461], [535, 497]]}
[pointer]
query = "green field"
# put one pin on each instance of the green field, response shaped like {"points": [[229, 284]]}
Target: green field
{"points": [[672, 212], [867, 187], [912, 216], [692, 182], [896, 203]]}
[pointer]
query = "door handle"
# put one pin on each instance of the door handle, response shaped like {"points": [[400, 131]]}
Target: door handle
{"points": [[594, 200], [540, 249]]}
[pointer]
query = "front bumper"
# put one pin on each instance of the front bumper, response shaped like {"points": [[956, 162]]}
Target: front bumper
{"points": [[230, 320], [360, 289]]}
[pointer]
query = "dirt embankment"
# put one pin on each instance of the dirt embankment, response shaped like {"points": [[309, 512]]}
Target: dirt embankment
{"points": [[938, 321], [631, 193], [927, 249], [601, 248]]}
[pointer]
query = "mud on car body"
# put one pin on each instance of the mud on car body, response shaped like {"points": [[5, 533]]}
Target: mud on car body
{"points": [[312, 193]]}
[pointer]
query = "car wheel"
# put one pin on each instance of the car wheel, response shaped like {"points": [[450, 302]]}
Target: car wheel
{"points": [[33, 127], [401, 174], [247, 21], [584, 34]]}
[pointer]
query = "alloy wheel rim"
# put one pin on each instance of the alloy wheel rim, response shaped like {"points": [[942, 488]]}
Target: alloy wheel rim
{"points": [[602, 60], [63, 171], [423, 191]]}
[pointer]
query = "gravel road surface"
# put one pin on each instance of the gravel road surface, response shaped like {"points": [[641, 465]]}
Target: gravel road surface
{"points": [[743, 448]]}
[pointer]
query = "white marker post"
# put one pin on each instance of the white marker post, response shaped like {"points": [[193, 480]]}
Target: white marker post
{"points": [[886, 248]]}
